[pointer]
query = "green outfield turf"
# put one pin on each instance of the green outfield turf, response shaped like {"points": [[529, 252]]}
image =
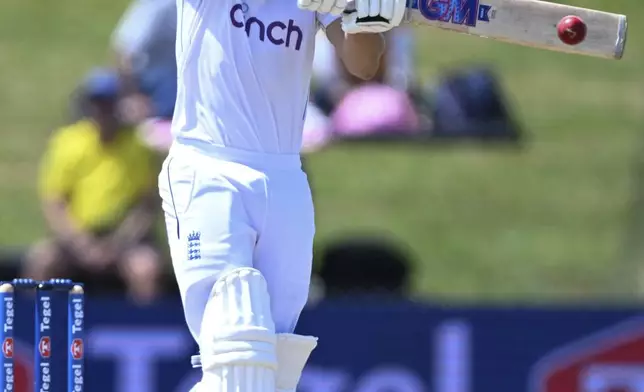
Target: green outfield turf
{"points": [[548, 222]]}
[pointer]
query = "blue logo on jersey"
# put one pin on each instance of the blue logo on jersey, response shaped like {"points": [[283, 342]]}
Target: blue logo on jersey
{"points": [[278, 33], [460, 12], [194, 245]]}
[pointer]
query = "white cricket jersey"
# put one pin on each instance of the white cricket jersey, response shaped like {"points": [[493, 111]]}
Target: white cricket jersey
{"points": [[244, 70]]}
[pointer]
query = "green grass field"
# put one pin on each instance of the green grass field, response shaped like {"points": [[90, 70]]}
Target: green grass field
{"points": [[546, 223]]}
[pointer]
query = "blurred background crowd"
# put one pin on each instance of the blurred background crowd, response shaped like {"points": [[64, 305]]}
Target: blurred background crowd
{"points": [[467, 170], [97, 174], [546, 203], [468, 156]]}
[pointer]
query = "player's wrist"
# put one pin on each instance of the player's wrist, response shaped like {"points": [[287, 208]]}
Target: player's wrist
{"points": [[365, 42]]}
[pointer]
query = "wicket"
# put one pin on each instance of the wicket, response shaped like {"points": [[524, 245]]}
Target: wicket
{"points": [[43, 334]]}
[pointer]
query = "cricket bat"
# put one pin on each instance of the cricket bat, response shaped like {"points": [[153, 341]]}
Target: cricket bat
{"points": [[524, 22]]}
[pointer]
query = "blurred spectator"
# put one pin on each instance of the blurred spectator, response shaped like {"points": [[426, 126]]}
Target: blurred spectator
{"points": [[375, 111], [97, 186], [365, 265], [389, 89], [468, 103], [144, 46]]}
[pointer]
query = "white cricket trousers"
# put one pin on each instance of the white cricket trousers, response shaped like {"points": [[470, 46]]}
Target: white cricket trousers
{"points": [[226, 209]]}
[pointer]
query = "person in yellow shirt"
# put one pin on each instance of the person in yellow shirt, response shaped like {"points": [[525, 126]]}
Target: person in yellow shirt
{"points": [[97, 186]]}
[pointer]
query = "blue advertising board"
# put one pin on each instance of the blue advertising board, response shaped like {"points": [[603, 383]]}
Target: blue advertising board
{"points": [[369, 346]]}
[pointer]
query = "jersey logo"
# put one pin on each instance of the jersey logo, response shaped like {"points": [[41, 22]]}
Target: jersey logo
{"points": [[194, 245], [278, 33]]}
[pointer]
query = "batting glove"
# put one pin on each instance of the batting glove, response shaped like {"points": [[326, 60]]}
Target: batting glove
{"points": [[333, 7], [373, 16]]}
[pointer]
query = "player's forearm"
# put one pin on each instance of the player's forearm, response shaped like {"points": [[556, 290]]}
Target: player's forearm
{"points": [[361, 54]]}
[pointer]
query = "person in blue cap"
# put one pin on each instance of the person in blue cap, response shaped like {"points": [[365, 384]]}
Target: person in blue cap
{"points": [[97, 186], [143, 43], [143, 46]]}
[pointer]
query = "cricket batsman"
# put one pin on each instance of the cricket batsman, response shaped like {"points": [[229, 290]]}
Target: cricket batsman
{"points": [[237, 203]]}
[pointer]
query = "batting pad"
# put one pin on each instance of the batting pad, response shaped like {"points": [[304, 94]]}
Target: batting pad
{"points": [[238, 342], [292, 353]]}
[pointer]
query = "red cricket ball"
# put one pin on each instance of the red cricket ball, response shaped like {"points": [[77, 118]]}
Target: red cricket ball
{"points": [[572, 30]]}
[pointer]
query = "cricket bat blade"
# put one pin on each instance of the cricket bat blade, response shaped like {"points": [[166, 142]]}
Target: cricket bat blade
{"points": [[530, 23]]}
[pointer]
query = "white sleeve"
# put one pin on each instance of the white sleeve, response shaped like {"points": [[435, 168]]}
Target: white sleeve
{"points": [[325, 62], [325, 19]]}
